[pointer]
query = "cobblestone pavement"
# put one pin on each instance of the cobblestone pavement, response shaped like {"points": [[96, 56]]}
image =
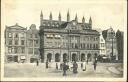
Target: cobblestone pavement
{"points": [[31, 70]]}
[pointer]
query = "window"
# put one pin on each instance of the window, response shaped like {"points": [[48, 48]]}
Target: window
{"points": [[22, 42], [15, 50], [16, 42], [35, 42], [10, 42], [16, 35], [22, 50], [36, 51], [10, 35], [9, 49], [30, 51], [30, 43]]}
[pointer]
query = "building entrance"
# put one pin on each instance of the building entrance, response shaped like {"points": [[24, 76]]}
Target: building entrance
{"points": [[49, 57], [74, 57], [57, 57]]}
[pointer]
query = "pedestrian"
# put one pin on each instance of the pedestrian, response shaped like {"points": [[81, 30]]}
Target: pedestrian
{"points": [[46, 64], [82, 65], [87, 61], [64, 69], [75, 66], [37, 62], [56, 66], [95, 65], [84, 69]]}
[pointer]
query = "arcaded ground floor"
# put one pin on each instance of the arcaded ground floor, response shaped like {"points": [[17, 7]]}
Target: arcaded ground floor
{"points": [[54, 55]]}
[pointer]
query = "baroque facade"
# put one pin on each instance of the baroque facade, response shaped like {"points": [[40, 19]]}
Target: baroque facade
{"points": [[67, 40]]}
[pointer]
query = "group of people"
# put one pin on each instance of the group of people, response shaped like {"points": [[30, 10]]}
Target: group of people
{"points": [[65, 66]]}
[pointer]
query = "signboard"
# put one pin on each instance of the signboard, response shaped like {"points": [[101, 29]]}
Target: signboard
{"points": [[22, 57]]}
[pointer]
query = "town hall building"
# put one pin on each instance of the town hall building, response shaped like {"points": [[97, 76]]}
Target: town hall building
{"points": [[67, 40]]}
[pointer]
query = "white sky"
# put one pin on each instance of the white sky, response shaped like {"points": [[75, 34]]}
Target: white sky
{"points": [[104, 14]]}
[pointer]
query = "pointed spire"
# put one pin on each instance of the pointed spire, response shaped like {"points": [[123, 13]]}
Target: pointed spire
{"points": [[59, 17], [50, 17], [41, 13], [68, 16], [90, 20], [76, 19], [83, 20], [41, 18]]}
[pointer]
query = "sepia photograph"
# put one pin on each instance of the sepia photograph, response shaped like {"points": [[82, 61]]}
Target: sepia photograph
{"points": [[64, 40]]}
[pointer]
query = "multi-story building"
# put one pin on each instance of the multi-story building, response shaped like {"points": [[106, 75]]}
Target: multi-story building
{"points": [[67, 40], [15, 43], [33, 43], [111, 44], [102, 45]]}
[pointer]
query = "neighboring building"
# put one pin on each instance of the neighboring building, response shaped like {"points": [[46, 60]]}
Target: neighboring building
{"points": [[15, 44], [33, 43], [67, 40], [120, 44], [21, 45], [111, 44], [102, 46]]}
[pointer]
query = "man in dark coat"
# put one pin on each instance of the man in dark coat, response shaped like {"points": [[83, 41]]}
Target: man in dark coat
{"points": [[75, 66], [37, 62], [47, 64], [64, 69], [95, 63]]}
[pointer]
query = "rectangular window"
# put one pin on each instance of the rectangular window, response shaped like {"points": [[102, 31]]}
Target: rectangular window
{"points": [[30, 50], [10, 35], [31, 43], [36, 51], [15, 50], [22, 50], [10, 42], [16, 42], [16, 35], [22, 42], [9, 49], [31, 35]]}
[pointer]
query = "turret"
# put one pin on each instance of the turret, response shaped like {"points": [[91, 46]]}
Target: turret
{"points": [[41, 19], [50, 17], [83, 20], [90, 22], [59, 17], [76, 19], [68, 16]]}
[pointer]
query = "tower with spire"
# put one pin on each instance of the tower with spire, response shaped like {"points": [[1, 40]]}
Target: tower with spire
{"points": [[59, 17], [68, 16], [90, 22], [50, 17], [83, 20], [41, 19], [76, 19]]}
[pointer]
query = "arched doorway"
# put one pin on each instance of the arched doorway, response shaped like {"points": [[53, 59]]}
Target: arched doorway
{"points": [[74, 57], [95, 55], [49, 57], [82, 57], [57, 57], [89, 57], [64, 57]]}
